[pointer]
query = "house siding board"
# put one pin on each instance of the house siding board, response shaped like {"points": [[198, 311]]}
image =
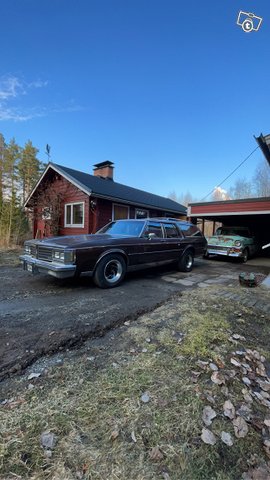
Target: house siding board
{"points": [[103, 212], [70, 194], [227, 207]]}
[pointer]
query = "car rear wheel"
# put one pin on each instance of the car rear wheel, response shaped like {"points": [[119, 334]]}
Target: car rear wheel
{"points": [[245, 255], [186, 262], [110, 271]]}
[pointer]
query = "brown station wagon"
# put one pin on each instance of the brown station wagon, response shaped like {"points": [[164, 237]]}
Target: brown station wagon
{"points": [[120, 246]]}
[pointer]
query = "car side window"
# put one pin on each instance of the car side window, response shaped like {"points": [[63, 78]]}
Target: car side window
{"points": [[171, 230], [153, 227], [190, 230]]}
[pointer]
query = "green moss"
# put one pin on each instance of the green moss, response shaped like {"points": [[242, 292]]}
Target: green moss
{"points": [[204, 333]]}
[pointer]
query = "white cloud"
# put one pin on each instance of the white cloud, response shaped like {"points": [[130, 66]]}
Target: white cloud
{"points": [[12, 88], [17, 115], [68, 107], [220, 194], [38, 84]]}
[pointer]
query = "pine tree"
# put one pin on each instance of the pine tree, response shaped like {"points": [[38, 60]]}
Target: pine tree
{"points": [[2, 151], [19, 171], [29, 168], [12, 155]]}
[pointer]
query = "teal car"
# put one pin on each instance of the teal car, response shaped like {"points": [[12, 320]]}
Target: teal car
{"points": [[237, 242]]}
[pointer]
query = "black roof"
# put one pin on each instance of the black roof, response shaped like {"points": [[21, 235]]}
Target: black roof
{"points": [[264, 144], [112, 190]]}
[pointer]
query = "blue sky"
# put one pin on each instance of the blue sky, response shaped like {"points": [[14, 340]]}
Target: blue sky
{"points": [[171, 91]]}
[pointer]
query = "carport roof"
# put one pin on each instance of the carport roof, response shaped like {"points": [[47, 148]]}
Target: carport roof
{"points": [[220, 210]]}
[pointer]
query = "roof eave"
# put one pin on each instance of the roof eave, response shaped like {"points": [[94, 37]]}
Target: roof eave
{"points": [[138, 204], [87, 191], [63, 174]]}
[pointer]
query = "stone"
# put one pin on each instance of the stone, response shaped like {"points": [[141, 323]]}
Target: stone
{"points": [[48, 440]]}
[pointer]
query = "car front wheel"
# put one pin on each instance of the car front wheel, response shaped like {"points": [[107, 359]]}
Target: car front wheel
{"points": [[110, 271], [245, 255], [186, 262]]}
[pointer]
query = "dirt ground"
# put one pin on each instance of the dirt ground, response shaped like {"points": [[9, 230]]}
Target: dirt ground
{"points": [[132, 404], [40, 315]]}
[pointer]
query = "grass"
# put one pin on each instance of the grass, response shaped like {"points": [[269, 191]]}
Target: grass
{"points": [[10, 256], [105, 431]]}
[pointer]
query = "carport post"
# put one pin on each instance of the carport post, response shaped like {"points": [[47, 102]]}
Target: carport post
{"points": [[214, 227]]}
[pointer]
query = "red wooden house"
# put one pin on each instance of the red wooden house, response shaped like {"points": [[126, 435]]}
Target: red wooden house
{"points": [[67, 202]]}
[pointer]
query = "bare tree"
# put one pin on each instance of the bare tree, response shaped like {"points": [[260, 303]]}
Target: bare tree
{"points": [[47, 205], [182, 198], [241, 189], [261, 180]]}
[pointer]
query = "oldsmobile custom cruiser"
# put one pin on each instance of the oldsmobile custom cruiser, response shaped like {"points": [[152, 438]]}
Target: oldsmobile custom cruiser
{"points": [[120, 246], [232, 242]]}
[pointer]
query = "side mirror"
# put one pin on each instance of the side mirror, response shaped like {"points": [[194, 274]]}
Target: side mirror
{"points": [[151, 235]]}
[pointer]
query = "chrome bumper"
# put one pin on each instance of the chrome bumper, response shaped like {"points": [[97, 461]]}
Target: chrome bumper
{"points": [[34, 266], [226, 253]]}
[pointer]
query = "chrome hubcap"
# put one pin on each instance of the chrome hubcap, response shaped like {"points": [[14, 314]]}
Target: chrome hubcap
{"points": [[189, 261], [113, 271]]}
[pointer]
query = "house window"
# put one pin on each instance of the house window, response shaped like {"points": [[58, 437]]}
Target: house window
{"points": [[47, 213], [120, 212], [140, 213], [74, 215]]}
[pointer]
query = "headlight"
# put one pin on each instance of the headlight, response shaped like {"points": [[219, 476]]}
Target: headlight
{"points": [[70, 256], [27, 249], [57, 255], [237, 243]]}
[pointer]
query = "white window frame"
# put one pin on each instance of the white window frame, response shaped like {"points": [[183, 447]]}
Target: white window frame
{"points": [[142, 210], [73, 225], [119, 205]]}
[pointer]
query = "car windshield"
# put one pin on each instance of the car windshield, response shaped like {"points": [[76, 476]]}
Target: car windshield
{"points": [[242, 232], [129, 228]]}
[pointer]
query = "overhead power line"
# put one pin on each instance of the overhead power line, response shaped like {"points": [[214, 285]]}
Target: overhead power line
{"points": [[223, 181]]}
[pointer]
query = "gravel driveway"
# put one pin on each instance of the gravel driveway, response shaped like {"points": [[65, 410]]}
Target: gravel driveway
{"points": [[40, 315]]}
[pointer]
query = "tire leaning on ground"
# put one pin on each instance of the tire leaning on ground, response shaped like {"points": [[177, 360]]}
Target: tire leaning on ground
{"points": [[110, 271], [245, 255], [185, 263]]}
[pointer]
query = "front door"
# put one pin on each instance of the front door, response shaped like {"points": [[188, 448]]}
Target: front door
{"points": [[155, 243]]}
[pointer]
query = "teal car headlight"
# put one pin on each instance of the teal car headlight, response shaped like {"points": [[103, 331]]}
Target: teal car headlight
{"points": [[237, 243], [27, 249]]}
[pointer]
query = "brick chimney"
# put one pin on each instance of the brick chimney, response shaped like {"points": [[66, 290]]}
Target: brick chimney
{"points": [[104, 170]]}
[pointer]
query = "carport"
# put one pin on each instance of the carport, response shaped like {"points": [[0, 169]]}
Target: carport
{"points": [[252, 212]]}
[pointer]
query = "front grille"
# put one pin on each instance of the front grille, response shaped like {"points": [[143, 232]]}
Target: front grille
{"points": [[44, 254], [33, 251], [217, 247]]}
